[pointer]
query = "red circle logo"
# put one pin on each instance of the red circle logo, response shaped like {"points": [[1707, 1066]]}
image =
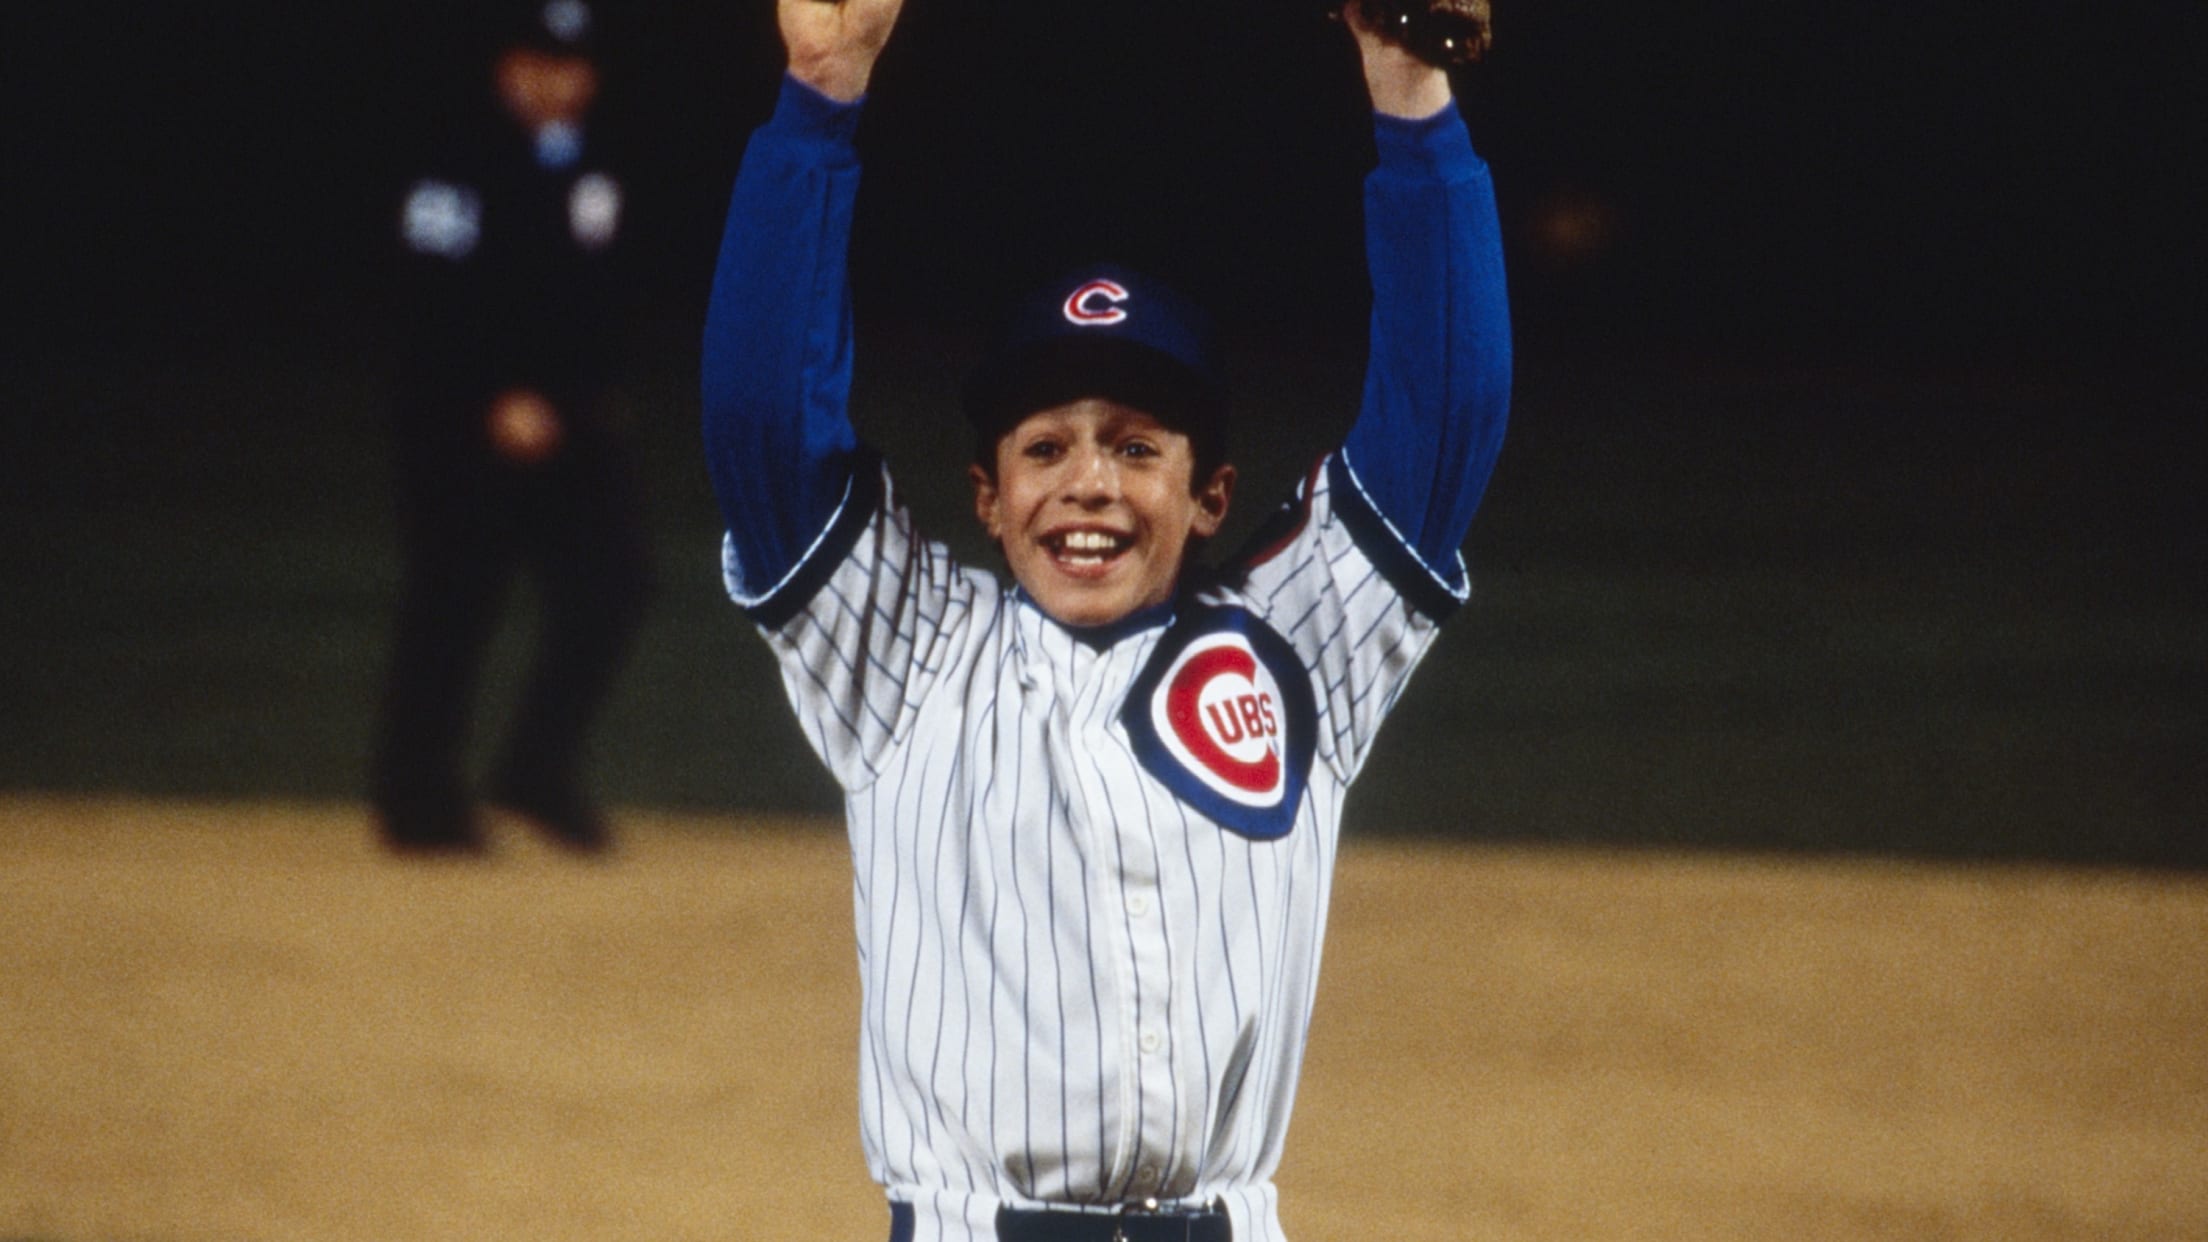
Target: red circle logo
{"points": [[1220, 713]]}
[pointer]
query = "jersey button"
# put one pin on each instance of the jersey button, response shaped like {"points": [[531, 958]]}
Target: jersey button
{"points": [[1139, 904], [1146, 1177], [1150, 1041]]}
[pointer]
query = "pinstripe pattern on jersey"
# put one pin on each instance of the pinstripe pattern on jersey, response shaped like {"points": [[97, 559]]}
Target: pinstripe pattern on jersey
{"points": [[1075, 988], [1360, 628]]}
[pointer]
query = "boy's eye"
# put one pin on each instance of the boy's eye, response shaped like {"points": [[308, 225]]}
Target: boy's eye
{"points": [[1138, 448], [1041, 450]]}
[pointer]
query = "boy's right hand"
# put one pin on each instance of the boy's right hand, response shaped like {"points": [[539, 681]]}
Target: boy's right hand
{"points": [[832, 44]]}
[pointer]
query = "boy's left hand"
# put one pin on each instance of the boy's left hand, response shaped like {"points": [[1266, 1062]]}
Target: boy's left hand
{"points": [[833, 43], [1400, 83]]}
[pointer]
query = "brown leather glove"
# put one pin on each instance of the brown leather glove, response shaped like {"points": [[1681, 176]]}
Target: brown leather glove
{"points": [[1447, 33]]}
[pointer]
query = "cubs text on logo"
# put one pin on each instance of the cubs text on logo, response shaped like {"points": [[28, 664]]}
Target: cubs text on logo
{"points": [[1223, 716], [1097, 304], [1219, 714]]}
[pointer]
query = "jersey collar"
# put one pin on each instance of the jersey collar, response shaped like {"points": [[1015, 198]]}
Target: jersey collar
{"points": [[1100, 637]]}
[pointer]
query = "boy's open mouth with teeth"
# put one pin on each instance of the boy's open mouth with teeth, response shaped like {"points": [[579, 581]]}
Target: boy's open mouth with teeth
{"points": [[1086, 548]]}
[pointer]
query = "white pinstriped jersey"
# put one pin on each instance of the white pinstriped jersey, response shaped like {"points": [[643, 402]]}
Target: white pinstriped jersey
{"points": [[1091, 878]]}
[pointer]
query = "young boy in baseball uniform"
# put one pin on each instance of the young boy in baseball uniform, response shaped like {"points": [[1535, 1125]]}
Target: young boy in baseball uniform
{"points": [[1093, 810]]}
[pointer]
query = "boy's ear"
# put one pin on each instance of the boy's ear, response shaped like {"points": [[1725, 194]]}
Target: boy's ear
{"points": [[1211, 502], [985, 501]]}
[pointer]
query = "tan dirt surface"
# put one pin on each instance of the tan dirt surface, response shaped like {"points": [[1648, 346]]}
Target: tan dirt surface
{"points": [[241, 1023]]}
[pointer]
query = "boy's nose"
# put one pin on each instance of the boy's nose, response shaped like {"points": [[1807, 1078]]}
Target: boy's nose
{"points": [[1095, 476]]}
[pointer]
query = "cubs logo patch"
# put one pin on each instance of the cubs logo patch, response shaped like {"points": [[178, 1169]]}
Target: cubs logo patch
{"points": [[1219, 713], [1223, 715], [1097, 304]]}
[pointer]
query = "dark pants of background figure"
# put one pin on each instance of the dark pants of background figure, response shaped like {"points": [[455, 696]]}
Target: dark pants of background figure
{"points": [[470, 523]]}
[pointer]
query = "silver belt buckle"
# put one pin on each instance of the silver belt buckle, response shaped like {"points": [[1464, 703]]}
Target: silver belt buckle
{"points": [[1148, 1207]]}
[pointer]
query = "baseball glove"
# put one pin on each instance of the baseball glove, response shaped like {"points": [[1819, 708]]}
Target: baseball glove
{"points": [[1447, 33]]}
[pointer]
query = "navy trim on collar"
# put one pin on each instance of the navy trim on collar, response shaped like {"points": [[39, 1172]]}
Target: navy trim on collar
{"points": [[1109, 633]]}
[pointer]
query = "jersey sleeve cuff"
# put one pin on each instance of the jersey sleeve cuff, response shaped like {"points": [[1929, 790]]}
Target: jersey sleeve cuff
{"points": [[1436, 590], [1438, 145], [777, 604]]}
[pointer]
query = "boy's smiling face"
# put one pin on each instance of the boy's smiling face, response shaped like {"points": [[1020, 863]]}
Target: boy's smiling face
{"points": [[1095, 504]]}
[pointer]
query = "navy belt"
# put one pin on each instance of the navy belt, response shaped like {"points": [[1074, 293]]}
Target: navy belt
{"points": [[1134, 1223]]}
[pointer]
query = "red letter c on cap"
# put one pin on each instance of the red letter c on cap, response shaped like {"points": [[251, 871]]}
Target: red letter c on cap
{"points": [[1096, 304]]}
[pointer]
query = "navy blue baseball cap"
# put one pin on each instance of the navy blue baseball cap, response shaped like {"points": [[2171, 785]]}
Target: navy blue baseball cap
{"points": [[1103, 331]]}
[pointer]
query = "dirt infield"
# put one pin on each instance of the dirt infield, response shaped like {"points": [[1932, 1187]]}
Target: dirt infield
{"points": [[241, 1023]]}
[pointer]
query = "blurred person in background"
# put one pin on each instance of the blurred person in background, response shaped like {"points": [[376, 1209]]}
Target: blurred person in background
{"points": [[510, 314]]}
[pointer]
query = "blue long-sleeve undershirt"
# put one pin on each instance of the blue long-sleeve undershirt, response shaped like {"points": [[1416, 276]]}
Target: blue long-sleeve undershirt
{"points": [[777, 361], [1437, 382], [777, 357]]}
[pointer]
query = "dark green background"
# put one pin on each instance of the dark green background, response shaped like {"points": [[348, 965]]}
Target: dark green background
{"points": [[1944, 611]]}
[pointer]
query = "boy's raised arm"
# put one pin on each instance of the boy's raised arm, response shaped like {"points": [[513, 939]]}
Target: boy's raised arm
{"points": [[1437, 384], [777, 358]]}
